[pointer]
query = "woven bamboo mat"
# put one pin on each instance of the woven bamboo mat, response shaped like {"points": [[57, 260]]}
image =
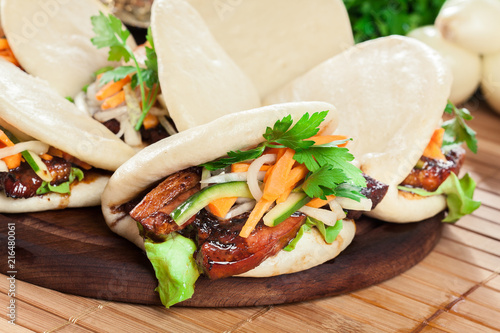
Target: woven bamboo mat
{"points": [[454, 289]]}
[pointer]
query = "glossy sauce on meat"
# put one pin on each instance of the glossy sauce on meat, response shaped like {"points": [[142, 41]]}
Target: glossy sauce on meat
{"points": [[23, 182], [374, 190], [223, 253], [434, 172]]}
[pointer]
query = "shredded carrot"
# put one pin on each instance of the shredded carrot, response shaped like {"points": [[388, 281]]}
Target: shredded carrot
{"points": [[276, 183], [296, 175], [46, 157], [322, 139], [221, 207], [433, 149], [269, 173], [113, 101], [4, 44], [76, 161], [150, 121], [111, 88], [317, 202], [12, 161], [243, 167], [255, 216]]}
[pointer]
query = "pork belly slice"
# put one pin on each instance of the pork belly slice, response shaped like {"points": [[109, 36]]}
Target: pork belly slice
{"points": [[223, 253], [153, 212]]}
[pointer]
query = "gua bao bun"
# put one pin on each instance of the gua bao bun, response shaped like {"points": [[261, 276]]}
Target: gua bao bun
{"points": [[51, 40], [471, 24], [206, 143], [31, 110], [490, 83], [390, 94], [465, 65], [275, 41]]}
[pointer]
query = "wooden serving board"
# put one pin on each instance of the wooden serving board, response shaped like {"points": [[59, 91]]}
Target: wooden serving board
{"points": [[74, 252]]}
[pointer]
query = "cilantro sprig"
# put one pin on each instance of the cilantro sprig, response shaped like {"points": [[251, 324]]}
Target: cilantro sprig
{"points": [[110, 33], [456, 131], [329, 166]]}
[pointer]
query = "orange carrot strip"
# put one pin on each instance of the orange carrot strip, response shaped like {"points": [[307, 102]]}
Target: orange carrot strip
{"points": [[150, 121], [318, 203], [255, 216], [322, 139], [296, 174], [46, 157], [243, 167], [10, 59], [276, 183], [221, 207], [4, 44], [433, 149], [269, 173], [76, 161], [111, 88], [12, 161], [113, 101]]}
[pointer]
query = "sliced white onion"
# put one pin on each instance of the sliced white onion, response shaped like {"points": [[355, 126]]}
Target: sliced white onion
{"points": [[337, 209], [240, 209], [161, 100], [3, 167], [253, 174], [103, 116], [167, 125], [326, 216], [43, 172], [243, 200], [36, 147], [155, 111], [364, 204], [205, 173], [231, 177], [131, 136]]}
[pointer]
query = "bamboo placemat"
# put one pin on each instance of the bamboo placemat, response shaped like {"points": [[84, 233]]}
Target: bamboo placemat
{"points": [[454, 289]]}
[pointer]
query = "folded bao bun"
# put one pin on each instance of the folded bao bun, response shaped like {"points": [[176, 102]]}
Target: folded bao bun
{"points": [[31, 109], [275, 41], [206, 143], [200, 82], [391, 93], [490, 83], [51, 40]]}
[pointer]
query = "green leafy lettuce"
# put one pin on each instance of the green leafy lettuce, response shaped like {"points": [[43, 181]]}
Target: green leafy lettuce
{"points": [[174, 266], [459, 193], [456, 131], [329, 233], [63, 188]]}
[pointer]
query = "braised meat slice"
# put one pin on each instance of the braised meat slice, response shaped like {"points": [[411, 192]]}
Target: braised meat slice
{"points": [[432, 173], [23, 182], [374, 190], [223, 253], [154, 209]]}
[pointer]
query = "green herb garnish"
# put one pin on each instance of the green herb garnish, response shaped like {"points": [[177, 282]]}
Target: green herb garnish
{"points": [[63, 188], [456, 130], [329, 233], [329, 164], [110, 33]]}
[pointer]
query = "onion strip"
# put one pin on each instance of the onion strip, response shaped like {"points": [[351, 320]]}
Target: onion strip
{"points": [[326, 216], [253, 174], [364, 204], [231, 177], [337, 209], [240, 209], [36, 147]]}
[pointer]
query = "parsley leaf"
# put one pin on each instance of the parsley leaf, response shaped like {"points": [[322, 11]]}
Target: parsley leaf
{"points": [[350, 191], [456, 131], [116, 74], [110, 33], [234, 157], [317, 156], [295, 138], [322, 182]]}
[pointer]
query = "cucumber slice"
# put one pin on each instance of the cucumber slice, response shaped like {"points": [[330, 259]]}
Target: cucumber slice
{"points": [[199, 200], [282, 211], [37, 165]]}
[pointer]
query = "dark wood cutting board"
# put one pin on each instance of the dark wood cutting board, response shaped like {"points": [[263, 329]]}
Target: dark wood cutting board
{"points": [[74, 252]]}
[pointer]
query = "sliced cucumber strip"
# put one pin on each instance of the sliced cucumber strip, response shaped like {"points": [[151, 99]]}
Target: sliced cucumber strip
{"points": [[37, 165], [282, 211], [199, 200]]}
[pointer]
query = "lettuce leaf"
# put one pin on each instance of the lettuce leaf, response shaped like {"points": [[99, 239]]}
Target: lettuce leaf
{"points": [[329, 233], [62, 188], [459, 193], [174, 267]]}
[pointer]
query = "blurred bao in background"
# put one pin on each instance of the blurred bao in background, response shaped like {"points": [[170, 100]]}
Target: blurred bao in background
{"points": [[464, 32]]}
